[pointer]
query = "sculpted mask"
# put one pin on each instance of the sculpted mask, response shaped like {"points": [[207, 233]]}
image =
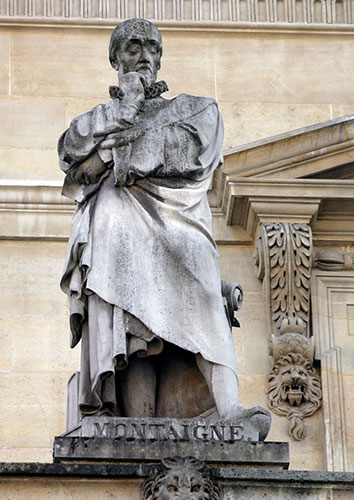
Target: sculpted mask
{"points": [[294, 391], [183, 480]]}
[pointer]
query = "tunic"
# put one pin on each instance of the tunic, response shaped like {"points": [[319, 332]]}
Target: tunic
{"points": [[141, 239]]}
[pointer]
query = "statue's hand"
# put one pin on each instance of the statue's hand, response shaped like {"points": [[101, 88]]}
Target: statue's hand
{"points": [[90, 170], [132, 85]]}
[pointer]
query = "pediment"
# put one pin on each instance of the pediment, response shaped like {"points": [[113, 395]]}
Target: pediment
{"points": [[303, 176], [324, 150]]}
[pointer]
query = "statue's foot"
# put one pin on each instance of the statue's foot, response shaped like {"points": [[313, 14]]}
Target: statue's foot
{"points": [[258, 416]]}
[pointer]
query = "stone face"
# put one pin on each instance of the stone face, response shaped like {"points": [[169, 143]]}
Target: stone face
{"points": [[182, 478]]}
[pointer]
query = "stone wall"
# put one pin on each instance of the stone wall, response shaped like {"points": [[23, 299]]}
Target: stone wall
{"points": [[267, 80]]}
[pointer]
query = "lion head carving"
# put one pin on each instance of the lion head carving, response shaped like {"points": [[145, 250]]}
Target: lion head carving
{"points": [[182, 480], [294, 391]]}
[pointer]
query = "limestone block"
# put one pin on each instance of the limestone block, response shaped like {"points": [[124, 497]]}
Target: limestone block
{"points": [[6, 342], [52, 489], [341, 109], [52, 334], [188, 65], [57, 64], [29, 164], [31, 271], [4, 62], [76, 106], [25, 455], [242, 123], [38, 389], [284, 68], [35, 122], [30, 426]]}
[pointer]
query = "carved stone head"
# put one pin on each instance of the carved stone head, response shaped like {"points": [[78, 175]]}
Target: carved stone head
{"points": [[294, 391], [182, 480], [136, 44]]}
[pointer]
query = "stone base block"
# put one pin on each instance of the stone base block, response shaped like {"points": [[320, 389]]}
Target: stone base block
{"points": [[241, 454], [115, 439]]}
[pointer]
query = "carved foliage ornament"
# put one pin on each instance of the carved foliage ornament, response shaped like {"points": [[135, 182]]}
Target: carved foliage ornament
{"points": [[283, 259], [285, 252], [183, 478]]}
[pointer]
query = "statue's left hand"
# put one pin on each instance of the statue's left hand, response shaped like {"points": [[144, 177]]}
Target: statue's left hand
{"points": [[90, 170]]}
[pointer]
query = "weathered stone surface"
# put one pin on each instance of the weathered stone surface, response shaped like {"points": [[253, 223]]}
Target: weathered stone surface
{"points": [[238, 453], [38, 481], [163, 429], [181, 478], [141, 296]]}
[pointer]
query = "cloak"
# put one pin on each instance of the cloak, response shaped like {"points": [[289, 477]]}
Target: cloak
{"points": [[141, 236]]}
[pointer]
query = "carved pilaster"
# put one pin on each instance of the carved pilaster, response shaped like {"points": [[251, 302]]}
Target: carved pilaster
{"points": [[283, 260], [182, 478]]}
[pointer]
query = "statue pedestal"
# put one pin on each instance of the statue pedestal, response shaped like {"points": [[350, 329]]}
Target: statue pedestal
{"points": [[150, 440]]}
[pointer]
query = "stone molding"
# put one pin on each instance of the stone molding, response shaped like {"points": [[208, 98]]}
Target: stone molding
{"points": [[325, 286], [37, 210], [332, 260], [191, 14], [304, 176], [283, 260], [34, 210], [295, 154], [234, 482]]}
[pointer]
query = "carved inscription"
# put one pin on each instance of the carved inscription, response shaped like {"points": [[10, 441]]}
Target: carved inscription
{"points": [[176, 430]]}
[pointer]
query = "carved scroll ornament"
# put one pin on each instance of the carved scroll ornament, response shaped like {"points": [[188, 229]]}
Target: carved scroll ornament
{"points": [[183, 478], [332, 260], [283, 259]]}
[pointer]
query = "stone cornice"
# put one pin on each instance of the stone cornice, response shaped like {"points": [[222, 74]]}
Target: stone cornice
{"points": [[206, 15], [250, 202], [242, 475], [299, 153], [31, 209], [182, 25]]}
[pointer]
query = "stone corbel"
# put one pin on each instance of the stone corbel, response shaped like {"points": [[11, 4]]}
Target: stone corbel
{"points": [[283, 260]]}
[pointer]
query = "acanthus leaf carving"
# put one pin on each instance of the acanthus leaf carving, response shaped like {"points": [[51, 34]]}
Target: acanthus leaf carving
{"points": [[283, 259], [289, 249]]}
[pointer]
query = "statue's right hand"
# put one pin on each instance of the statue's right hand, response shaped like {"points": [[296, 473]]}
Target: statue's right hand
{"points": [[131, 84], [89, 171]]}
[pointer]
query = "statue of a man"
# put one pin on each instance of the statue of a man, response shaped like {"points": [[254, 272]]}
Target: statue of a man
{"points": [[142, 270]]}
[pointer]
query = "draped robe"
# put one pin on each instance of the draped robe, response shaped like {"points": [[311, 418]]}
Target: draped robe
{"points": [[141, 248]]}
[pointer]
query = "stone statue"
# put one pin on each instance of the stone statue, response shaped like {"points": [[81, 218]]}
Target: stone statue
{"points": [[142, 270]]}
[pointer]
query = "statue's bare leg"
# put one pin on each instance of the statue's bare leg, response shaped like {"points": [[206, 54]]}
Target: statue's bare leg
{"points": [[223, 387], [138, 387]]}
